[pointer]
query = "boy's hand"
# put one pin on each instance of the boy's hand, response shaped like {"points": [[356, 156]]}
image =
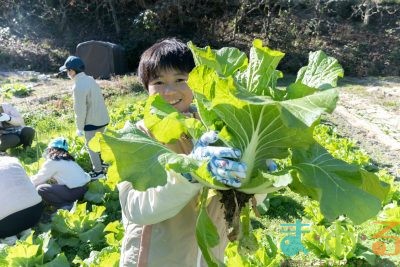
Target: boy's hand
{"points": [[5, 117], [220, 165], [271, 165]]}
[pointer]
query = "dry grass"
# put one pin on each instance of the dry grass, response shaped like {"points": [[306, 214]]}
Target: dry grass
{"points": [[47, 88]]}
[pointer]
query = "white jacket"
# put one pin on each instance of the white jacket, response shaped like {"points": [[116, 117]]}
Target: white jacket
{"points": [[89, 105], [17, 191], [160, 223], [65, 172], [16, 119], [165, 218]]}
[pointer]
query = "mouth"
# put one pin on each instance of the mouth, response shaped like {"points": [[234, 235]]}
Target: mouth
{"points": [[175, 102]]}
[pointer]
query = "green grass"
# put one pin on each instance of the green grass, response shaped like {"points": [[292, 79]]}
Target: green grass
{"points": [[15, 89], [51, 121], [391, 104]]}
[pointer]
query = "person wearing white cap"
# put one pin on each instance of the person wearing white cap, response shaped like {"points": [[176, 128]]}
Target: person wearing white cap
{"points": [[71, 179], [91, 115]]}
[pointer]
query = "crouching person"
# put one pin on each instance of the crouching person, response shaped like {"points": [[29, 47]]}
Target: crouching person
{"points": [[69, 179], [21, 206], [13, 131]]}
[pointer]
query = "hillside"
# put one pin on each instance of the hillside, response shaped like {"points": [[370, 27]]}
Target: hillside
{"points": [[363, 34]]}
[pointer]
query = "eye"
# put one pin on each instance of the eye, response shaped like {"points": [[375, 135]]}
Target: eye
{"points": [[180, 80], [157, 83]]}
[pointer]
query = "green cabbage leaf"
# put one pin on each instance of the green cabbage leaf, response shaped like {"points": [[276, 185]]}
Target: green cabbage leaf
{"points": [[239, 97]]}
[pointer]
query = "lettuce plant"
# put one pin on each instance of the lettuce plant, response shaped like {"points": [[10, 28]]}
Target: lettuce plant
{"points": [[337, 242], [238, 96]]}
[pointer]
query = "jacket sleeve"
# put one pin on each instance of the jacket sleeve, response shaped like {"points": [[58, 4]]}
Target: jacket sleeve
{"points": [[157, 204], [16, 118], [80, 108], [45, 173]]}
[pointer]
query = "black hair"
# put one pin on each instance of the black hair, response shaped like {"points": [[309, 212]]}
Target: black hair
{"points": [[166, 54], [77, 70], [55, 153]]}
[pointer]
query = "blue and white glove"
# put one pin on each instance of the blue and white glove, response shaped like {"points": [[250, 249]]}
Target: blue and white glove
{"points": [[5, 117], [220, 165], [271, 165]]}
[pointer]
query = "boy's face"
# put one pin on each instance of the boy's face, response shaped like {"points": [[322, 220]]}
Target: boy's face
{"points": [[171, 85], [71, 74]]}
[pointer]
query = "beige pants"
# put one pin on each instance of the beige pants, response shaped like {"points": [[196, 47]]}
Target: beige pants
{"points": [[94, 156]]}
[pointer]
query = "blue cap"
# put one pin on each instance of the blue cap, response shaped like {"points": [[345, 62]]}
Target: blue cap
{"points": [[73, 63], [59, 142]]}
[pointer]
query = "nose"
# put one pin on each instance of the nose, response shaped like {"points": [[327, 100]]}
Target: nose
{"points": [[168, 89]]}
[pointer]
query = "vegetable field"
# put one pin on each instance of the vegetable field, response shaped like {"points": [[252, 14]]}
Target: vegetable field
{"points": [[293, 226]]}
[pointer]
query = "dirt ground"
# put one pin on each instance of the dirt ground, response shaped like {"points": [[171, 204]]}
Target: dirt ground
{"points": [[44, 87], [368, 111]]}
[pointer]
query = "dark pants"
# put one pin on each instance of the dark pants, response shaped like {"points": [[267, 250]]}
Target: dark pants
{"points": [[24, 137], [60, 195], [21, 220]]}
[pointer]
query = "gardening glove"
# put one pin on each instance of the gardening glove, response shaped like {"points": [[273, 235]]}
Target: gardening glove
{"points": [[5, 117], [79, 133], [221, 164], [271, 165]]}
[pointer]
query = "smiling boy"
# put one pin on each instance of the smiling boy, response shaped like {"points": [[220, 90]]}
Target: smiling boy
{"points": [[160, 222]]}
